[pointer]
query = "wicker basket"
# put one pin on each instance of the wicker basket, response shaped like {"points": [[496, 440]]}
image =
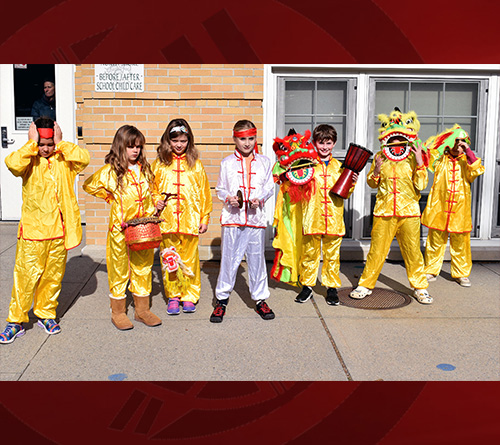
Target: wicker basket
{"points": [[143, 233]]}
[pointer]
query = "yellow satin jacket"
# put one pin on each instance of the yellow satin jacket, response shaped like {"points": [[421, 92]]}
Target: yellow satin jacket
{"points": [[192, 206], [50, 208], [324, 213], [137, 198], [399, 184], [449, 203]]}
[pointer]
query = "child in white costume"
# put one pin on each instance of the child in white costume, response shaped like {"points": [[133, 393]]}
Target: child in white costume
{"points": [[180, 174], [249, 175]]}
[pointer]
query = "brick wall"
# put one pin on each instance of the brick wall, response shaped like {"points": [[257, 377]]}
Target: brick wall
{"points": [[210, 97]]}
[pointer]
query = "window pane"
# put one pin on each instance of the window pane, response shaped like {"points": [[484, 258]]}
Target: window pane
{"points": [[439, 106], [461, 99], [390, 95], [28, 88], [299, 97], [332, 98], [468, 124], [429, 126], [426, 98], [305, 104], [298, 123]]}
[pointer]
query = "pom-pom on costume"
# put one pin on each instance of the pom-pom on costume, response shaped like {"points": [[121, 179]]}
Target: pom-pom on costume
{"points": [[294, 171], [136, 199], [188, 207], [50, 225], [243, 228], [448, 210], [397, 212]]}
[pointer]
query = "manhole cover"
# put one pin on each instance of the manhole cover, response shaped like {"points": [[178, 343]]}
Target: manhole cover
{"points": [[379, 299]]}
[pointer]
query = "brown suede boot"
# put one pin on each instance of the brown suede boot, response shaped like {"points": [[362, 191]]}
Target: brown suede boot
{"points": [[118, 316], [142, 312]]}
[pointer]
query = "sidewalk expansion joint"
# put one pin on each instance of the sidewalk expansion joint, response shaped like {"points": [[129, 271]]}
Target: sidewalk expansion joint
{"points": [[332, 341]]}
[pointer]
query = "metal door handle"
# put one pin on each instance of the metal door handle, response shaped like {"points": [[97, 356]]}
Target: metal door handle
{"points": [[5, 140]]}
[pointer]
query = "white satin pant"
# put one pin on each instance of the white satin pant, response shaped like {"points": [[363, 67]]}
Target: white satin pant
{"points": [[236, 243]]}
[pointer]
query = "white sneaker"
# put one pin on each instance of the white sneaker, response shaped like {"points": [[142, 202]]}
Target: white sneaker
{"points": [[430, 277], [463, 281], [360, 292], [422, 296]]}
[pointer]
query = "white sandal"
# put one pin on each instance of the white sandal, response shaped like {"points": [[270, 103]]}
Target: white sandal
{"points": [[422, 296], [430, 277], [360, 292], [463, 281]]}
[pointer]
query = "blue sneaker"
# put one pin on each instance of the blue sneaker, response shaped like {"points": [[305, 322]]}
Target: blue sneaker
{"points": [[173, 306], [188, 306], [50, 326], [12, 330]]}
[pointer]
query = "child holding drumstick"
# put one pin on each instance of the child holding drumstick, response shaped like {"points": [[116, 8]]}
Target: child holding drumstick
{"points": [[180, 175], [247, 174]]}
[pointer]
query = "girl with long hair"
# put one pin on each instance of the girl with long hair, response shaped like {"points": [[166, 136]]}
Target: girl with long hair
{"points": [[127, 183]]}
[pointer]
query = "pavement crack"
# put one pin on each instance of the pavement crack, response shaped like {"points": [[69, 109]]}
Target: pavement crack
{"points": [[332, 341], [8, 248], [490, 269]]}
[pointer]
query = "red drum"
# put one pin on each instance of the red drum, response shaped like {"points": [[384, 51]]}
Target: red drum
{"points": [[355, 161], [143, 233]]}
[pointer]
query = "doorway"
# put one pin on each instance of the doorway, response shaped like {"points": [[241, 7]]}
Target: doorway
{"points": [[20, 86]]}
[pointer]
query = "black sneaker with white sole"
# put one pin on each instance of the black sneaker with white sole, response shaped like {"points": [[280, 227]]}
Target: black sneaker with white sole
{"points": [[304, 295], [332, 297]]}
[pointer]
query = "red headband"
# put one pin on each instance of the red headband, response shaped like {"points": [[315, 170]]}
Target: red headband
{"points": [[245, 133], [46, 133]]}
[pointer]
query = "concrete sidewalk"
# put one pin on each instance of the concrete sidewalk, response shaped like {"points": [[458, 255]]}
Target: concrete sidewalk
{"points": [[456, 338]]}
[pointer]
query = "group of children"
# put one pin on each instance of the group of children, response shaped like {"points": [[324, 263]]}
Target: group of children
{"points": [[176, 189]]}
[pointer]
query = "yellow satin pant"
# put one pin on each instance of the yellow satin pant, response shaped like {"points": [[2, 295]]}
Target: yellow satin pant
{"points": [[461, 260], [407, 232], [126, 266], [309, 261], [187, 247], [38, 273]]}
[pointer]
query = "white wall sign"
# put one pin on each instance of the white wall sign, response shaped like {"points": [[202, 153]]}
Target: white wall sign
{"points": [[23, 123], [119, 78]]}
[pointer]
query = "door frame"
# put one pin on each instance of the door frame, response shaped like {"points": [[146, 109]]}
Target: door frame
{"points": [[66, 111]]}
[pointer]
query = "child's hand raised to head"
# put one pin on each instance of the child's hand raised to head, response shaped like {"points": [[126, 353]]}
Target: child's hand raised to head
{"points": [[57, 133], [33, 132], [378, 165], [417, 149]]}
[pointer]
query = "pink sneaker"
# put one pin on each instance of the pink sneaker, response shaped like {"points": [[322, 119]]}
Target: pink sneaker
{"points": [[188, 307], [173, 306]]}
